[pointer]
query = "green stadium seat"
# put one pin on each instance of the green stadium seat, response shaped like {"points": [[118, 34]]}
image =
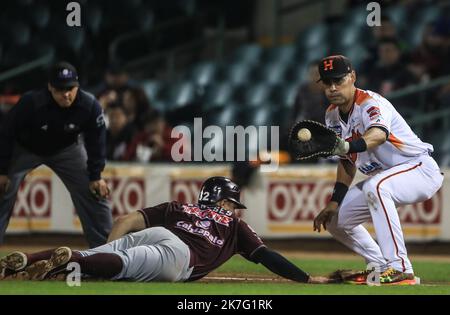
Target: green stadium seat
{"points": [[280, 54], [427, 15], [217, 95], [180, 94], [398, 16], [19, 33], [357, 17], [202, 74], [39, 15], [237, 73], [259, 116], [93, 18], [254, 95], [270, 73], [313, 36], [224, 116], [247, 54], [356, 53], [283, 96], [315, 53], [151, 89], [347, 35], [296, 73]]}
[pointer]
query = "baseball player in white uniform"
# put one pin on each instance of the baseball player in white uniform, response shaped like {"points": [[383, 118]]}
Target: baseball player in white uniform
{"points": [[376, 140]]}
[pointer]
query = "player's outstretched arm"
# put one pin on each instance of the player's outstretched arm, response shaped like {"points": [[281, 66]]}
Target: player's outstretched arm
{"points": [[279, 265], [125, 224], [345, 174]]}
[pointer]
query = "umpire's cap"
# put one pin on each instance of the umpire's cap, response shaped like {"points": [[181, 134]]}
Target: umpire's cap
{"points": [[334, 67], [218, 188], [63, 75]]}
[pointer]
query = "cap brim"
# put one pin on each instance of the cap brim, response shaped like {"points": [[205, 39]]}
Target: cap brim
{"points": [[336, 76], [63, 85]]}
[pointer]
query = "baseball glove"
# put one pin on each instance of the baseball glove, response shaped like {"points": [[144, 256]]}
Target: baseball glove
{"points": [[323, 142]]}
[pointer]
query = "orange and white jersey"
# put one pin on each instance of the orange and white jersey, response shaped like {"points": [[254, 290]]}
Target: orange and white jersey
{"points": [[369, 110]]}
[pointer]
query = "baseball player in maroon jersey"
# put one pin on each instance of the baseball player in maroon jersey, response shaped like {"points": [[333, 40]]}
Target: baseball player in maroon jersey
{"points": [[169, 242]]}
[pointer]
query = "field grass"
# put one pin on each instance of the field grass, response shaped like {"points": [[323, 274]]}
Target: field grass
{"points": [[435, 279]]}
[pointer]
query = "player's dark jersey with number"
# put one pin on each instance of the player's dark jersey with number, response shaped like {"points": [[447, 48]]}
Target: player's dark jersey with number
{"points": [[213, 234]]}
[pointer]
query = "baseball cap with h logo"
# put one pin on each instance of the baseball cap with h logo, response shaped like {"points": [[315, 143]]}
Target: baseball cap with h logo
{"points": [[334, 67]]}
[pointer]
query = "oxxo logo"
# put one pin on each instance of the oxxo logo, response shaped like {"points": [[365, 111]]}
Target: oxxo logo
{"points": [[295, 202], [127, 195], [34, 198], [427, 212]]}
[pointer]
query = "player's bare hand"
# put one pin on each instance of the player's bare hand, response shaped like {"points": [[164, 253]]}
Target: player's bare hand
{"points": [[4, 184], [325, 216], [99, 189]]}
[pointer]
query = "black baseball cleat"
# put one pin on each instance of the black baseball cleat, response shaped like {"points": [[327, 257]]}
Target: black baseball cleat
{"points": [[12, 263], [40, 269]]}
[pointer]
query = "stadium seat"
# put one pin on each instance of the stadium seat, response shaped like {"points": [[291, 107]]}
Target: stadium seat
{"points": [[413, 35], [237, 73], [224, 116], [180, 94], [347, 35], [357, 17], [315, 53], [270, 73], [283, 96], [296, 73], [72, 38], [39, 15], [93, 17], [313, 36], [217, 95], [280, 54], [356, 53], [247, 54], [254, 95], [161, 105], [143, 20], [202, 74], [18, 33], [151, 89], [259, 116], [398, 16], [427, 15]]}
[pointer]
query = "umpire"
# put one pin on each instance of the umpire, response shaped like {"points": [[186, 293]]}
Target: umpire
{"points": [[45, 127]]}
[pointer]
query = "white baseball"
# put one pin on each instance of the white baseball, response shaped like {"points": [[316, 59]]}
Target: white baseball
{"points": [[304, 134]]}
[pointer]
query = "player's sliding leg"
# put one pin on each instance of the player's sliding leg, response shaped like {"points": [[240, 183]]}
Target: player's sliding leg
{"points": [[12, 263], [17, 261], [400, 185]]}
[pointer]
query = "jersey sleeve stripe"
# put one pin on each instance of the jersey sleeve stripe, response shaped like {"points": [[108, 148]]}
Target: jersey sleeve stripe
{"points": [[395, 141]]}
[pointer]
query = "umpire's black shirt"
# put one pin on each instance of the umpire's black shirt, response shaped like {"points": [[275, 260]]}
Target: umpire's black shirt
{"points": [[40, 125]]}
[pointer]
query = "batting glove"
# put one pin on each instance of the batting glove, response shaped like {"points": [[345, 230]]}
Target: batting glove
{"points": [[342, 147]]}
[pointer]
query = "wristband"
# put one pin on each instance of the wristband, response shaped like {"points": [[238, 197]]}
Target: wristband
{"points": [[356, 146]]}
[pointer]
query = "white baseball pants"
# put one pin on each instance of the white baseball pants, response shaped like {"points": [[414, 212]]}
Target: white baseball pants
{"points": [[377, 198]]}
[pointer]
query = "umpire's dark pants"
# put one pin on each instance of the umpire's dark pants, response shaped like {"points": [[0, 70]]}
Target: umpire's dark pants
{"points": [[71, 167]]}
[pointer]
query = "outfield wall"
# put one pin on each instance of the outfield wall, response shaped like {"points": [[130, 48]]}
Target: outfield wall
{"points": [[281, 204]]}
